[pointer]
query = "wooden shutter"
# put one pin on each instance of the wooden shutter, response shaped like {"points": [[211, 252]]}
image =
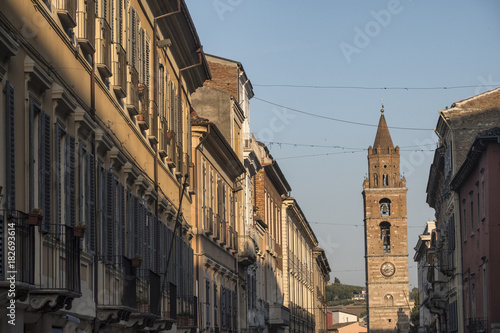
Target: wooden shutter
{"points": [[44, 174], [69, 181], [119, 22], [90, 202], [170, 268], [109, 237], [10, 155], [2, 270], [121, 220], [130, 224], [58, 196]]}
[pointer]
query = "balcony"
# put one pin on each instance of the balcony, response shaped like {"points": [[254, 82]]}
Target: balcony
{"points": [[132, 101], [279, 315], [218, 222], [477, 325], [24, 265], [66, 11], [58, 262], [117, 290], [103, 47], [85, 33], [143, 117], [223, 232], [208, 220], [149, 300], [233, 239], [119, 78]]}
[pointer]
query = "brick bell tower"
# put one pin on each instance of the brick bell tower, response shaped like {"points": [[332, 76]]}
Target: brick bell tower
{"points": [[386, 249]]}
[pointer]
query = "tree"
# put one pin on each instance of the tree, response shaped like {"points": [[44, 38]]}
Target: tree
{"points": [[414, 316], [327, 278], [336, 280]]}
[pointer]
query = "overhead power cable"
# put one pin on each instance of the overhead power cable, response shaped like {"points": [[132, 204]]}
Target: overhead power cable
{"points": [[340, 120], [364, 87]]}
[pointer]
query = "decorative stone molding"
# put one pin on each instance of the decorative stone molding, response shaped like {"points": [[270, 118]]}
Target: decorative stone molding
{"points": [[64, 104], [117, 157], [35, 76], [131, 172], [84, 124], [113, 316], [104, 143], [50, 302]]}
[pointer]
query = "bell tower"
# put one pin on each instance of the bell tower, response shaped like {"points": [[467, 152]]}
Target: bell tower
{"points": [[386, 246]]}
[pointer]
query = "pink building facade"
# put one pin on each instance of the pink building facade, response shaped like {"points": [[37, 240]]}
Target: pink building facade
{"points": [[478, 184]]}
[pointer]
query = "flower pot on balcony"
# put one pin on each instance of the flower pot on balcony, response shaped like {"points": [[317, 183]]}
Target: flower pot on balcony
{"points": [[143, 308], [35, 217], [79, 230], [139, 117], [169, 135], [136, 262]]}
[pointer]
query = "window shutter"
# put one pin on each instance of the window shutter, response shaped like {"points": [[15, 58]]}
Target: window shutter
{"points": [[90, 208], [137, 227], [131, 209], [235, 311], [178, 264], [59, 133], [120, 22], [44, 162], [147, 239], [2, 270], [146, 60], [69, 181], [170, 273], [109, 238], [112, 24], [141, 55], [121, 220], [10, 156], [191, 272]]}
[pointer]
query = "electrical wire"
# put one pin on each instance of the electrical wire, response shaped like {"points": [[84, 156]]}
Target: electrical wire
{"points": [[364, 87], [340, 120]]}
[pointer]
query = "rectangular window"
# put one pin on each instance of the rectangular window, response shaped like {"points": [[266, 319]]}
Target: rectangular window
{"points": [[215, 305], [44, 169], [464, 220], [207, 303], [483, 201], [10, 154], [471, 213]]}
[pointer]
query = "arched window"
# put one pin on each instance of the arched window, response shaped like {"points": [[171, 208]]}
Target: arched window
{"points": [[385, 180], [385, 207], [385, 235], [389, 300]]}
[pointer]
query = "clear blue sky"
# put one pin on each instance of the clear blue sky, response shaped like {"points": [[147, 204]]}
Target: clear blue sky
{"points": [[419, 44]]}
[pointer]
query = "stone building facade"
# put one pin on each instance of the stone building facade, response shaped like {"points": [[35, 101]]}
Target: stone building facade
{"points": [[96, 118], [299, 242], [456, 129], [386, 252], [321, 272], [477, 183]]}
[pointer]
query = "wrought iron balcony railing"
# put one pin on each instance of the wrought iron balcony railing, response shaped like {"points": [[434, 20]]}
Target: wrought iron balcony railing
{"points": [[17, 248], [477, 325], [103, 47]]}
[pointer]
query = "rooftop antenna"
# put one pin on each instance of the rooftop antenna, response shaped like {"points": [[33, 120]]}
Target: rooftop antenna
{"points": [[382, 101]]}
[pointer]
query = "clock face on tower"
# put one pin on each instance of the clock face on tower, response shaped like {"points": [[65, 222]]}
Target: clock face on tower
{"points": [[387, 269]]}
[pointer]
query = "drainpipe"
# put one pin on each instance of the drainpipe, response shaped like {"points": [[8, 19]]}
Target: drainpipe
{"points": [[95, 263]]}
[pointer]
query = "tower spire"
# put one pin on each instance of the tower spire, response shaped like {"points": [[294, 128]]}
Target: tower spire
{"points": [[383, 137]]}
